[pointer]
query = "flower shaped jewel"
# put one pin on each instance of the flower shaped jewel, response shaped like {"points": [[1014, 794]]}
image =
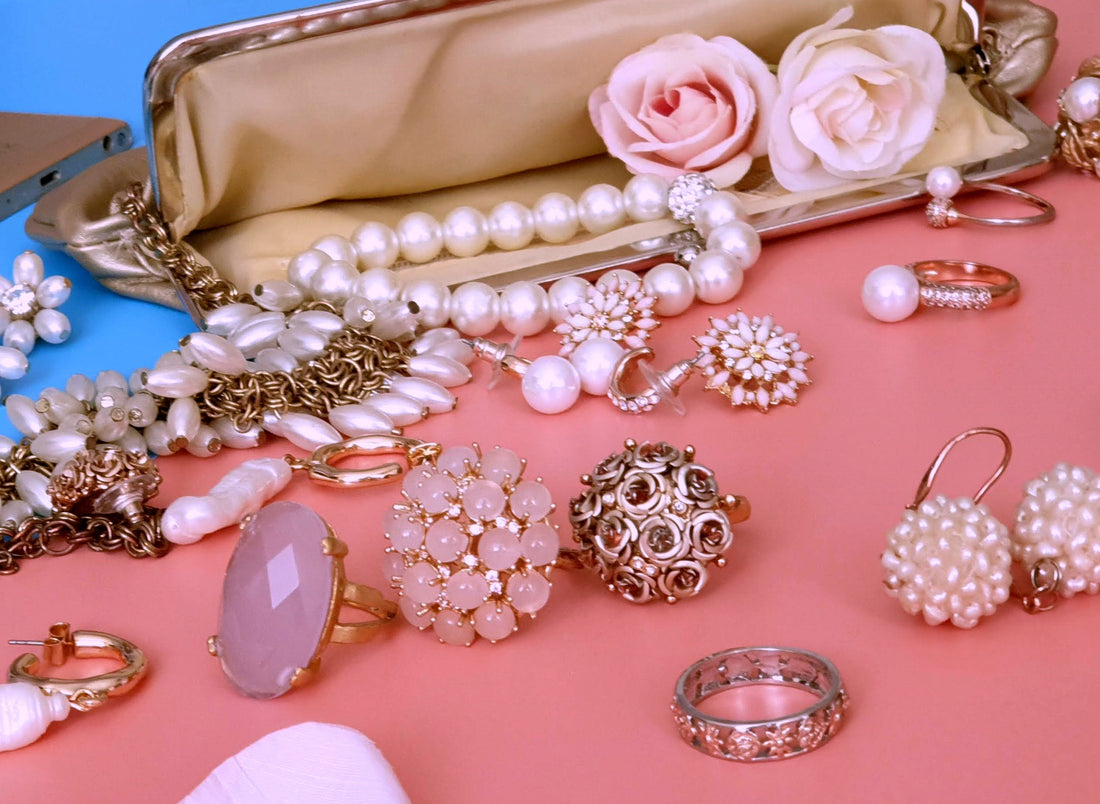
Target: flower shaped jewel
{"points": [[615, 308], [752, 361], [27, 305]]}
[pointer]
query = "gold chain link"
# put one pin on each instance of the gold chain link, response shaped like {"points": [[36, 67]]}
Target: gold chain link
{"points": [[18, 460], [61, 533]]}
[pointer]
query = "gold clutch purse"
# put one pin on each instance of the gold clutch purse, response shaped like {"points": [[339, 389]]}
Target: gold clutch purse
{"points": [[266, 134]]}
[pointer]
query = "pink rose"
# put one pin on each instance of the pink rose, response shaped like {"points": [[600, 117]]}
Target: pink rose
{"points": [[853, 104], [686, 104]]}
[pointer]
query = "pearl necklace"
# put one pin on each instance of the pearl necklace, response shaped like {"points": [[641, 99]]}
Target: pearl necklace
{"points": [[329, 269]]}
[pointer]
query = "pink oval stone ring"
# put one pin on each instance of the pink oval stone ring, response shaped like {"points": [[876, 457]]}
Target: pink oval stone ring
{"points": [[281, 598]]}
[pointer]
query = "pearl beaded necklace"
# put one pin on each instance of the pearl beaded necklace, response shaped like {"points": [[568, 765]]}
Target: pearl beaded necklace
{"points": [[329, 269]]}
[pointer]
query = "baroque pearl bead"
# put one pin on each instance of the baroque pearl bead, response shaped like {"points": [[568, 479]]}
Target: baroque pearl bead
{"points": [[551, 384], [26, 712], [891, 293]]}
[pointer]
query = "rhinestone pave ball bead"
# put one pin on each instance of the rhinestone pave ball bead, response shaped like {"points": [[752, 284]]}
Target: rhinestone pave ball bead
{"points": [[471, 548]]}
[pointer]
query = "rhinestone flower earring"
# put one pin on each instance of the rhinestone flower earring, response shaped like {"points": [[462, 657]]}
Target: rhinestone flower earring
{"points": [[749, 360]]}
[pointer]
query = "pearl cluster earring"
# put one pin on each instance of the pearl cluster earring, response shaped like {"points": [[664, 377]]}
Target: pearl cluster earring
{"points": [[28, 311], [951, 559]]}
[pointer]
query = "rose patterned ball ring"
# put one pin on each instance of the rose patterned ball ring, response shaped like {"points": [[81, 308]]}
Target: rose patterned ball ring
{"points": [[651, 521], [471, 547]]}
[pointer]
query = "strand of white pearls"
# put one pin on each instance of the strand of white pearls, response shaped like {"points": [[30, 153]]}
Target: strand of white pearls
{"points": [[335, 267]]}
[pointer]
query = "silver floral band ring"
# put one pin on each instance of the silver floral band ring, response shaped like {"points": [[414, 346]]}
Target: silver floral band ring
{"points": [[760, 740]]}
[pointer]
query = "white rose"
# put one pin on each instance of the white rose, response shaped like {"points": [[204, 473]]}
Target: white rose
{"points": [[853, 104]]}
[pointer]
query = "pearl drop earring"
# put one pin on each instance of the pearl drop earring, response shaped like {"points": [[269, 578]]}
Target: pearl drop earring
{"points": [[949, 559]]}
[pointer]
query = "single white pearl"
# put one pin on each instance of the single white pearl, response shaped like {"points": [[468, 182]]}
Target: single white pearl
{"points": [[23, 414], [176, 382], [320, 320], [551, 384], [891, 293], [623, 276], [511, 226], [442, 369], [433, 299], [671, 284], [333, 280], [716, 275], [645, 197], [376, 244], [402, 410], [302, 343], [475, 309], [564, 292], [27, 269], [739, 240], [183, 420], [258, 332], [465, 232], [275, 359], [336, 247], [600, 208], [594, 361], [1081, 99], [556, 218], [420, 236], [943, 182], [377, 285], [303, 266], [717, 209], [524, 308], [205, 443], [27, 713]]}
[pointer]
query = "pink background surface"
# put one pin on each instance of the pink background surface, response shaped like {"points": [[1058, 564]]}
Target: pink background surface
{"points": [[575, 705]]}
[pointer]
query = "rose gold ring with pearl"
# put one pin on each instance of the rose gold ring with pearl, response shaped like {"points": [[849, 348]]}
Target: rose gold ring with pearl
{"points": [[894, 292], [281, 599]]}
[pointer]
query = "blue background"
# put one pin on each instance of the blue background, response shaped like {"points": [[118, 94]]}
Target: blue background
{"points": [[87, 58]]}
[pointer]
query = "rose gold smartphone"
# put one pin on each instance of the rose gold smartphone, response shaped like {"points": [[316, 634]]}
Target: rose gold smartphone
{"points": [[40, 151]]}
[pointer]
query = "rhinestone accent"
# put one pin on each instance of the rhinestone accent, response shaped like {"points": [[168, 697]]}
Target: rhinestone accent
{"points": [[20, 301], [686, 192], [941, 212], [955, 297]]}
